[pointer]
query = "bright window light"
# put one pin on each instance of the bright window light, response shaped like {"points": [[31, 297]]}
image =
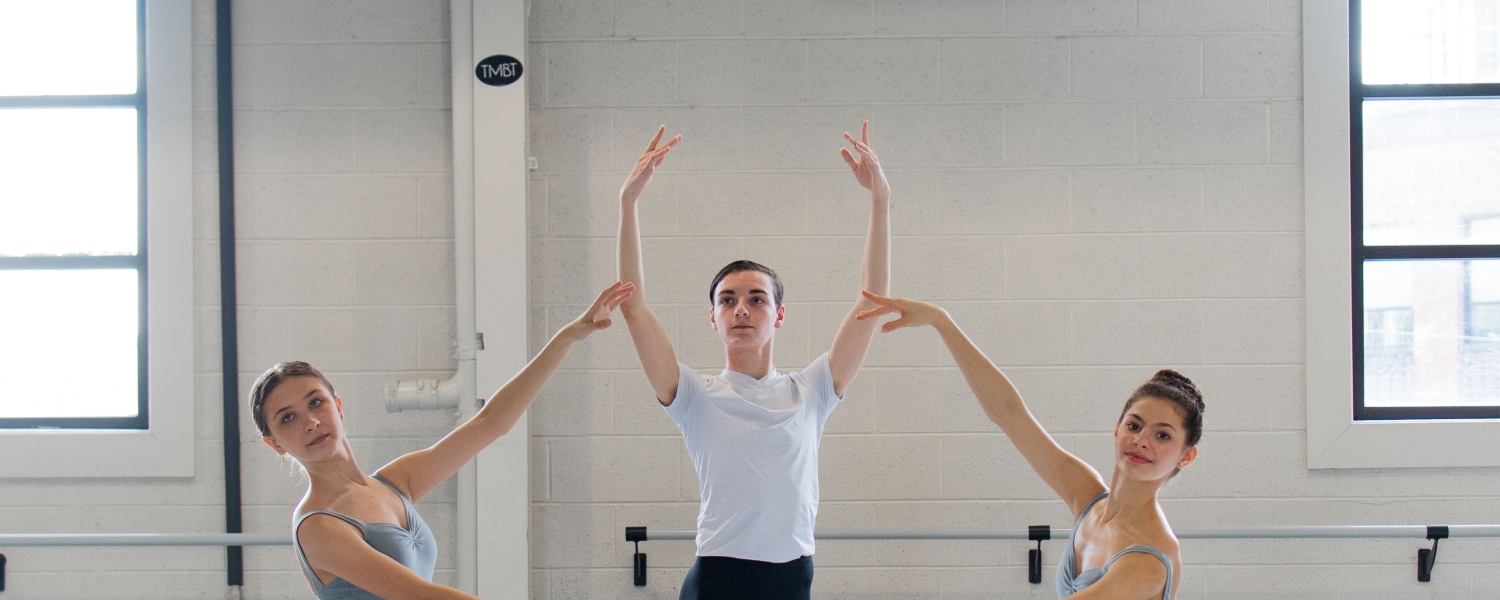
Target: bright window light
{"points": [[1430, 41], [68, 181], [67, 47], [71, 340], [1432, 333], [1430, 168]]}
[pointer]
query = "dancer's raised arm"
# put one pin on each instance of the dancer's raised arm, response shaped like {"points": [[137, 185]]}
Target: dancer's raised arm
{"points": [[651, 342], [853, 338], [1075, 481], [421, 471]]}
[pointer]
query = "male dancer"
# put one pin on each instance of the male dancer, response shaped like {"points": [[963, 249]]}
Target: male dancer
{"points": [[752, 432]]}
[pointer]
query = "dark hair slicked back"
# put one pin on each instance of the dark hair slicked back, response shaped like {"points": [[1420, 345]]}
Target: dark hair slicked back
{"points": [[746, 265], [273, 377]]}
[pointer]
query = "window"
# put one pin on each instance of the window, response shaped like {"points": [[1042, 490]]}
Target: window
{"points": [[71, 250], [96, 342], [1425, 137], [1402, 138]]}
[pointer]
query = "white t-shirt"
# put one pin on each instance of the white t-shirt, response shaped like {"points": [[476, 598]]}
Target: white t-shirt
{"points": [[754, 444]]}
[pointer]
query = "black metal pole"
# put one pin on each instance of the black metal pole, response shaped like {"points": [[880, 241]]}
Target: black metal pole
{"points": [[228, 302]]}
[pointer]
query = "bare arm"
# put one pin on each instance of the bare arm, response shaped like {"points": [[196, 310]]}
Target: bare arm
{"points": [[853, 338], [1134, 576], [421, 471], [651, 342], [1075, 481], [335, 547]]}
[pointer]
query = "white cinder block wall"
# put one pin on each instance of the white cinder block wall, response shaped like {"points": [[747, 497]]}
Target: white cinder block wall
{"points": [[343, 177], [1095, 188]]}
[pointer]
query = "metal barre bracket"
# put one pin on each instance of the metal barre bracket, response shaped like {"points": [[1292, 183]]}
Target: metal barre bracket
{"points": [[2, 572], [1038, 534], [1427, 558], [638, 535]]}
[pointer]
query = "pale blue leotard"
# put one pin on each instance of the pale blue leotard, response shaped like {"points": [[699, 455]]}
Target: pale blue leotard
{"points": [[1070, 581], [414, 547]]}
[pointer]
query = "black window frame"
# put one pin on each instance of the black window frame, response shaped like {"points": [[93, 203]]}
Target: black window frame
{"points": [[136, 262], [1359, 92]]}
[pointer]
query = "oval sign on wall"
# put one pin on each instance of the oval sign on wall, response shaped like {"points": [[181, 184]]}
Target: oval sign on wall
{"points": [[498, 70]]}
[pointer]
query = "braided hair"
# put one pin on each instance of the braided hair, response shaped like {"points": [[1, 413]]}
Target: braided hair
{"points": [[1176, 388]]}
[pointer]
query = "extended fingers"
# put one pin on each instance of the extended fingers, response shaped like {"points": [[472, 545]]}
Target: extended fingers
{"points": [[883, 306], [896, 324], [864, 132], [619, 297], [849, 158], [659, 155], [656, 138], [618, 289], [609, 293], [862, 147], [877, 298], [876, 312]]}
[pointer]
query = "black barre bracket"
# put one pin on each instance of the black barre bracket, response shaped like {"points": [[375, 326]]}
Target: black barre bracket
{"points": [[1038, 534], [638, 535], [2, 572], [1427, 558]]}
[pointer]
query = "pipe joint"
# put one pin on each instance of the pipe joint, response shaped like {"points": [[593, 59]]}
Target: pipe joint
{"points": [[468, 349], [421, 394]]}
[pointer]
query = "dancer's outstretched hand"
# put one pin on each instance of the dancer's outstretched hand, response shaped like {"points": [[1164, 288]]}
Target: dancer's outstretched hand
{"points": [[914, 313], [597, 316], [866, 168], [645, 166]]}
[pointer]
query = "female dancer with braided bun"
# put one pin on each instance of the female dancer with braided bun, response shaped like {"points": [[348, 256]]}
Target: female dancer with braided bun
{"points": [[1122, 546]]}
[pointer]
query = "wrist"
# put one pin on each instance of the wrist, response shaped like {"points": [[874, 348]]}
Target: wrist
{"points": [[942, 320], [567, 335]]}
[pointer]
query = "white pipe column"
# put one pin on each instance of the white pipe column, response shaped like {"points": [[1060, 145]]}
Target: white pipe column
{"points": [[489, 248], [463, 260], [498, 138]]}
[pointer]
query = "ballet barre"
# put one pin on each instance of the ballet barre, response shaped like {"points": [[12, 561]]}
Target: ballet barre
{"points": [[34, 540], [14, 540], [1039, 533]]}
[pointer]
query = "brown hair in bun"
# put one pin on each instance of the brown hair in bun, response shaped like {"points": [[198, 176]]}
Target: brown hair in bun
{"points": [[1176, 388]]}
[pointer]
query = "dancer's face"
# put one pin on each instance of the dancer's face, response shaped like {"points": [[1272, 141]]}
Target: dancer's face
{"points": [[745, 312], [1150, 442], [306, 421]]}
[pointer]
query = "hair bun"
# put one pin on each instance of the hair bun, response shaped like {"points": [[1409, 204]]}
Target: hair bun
{"points": [[1181, 382]]}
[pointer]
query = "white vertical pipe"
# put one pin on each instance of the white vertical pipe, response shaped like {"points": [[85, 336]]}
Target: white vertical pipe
{"points": [[499, 178], [463, 258]]}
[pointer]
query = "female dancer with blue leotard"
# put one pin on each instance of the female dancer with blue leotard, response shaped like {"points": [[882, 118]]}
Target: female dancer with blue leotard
{"points": [[357, 536], [1122, 546]]}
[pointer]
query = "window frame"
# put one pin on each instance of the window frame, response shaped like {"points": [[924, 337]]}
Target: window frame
{"points": [[164, 446], [1334, 259], [1359, 92], [136, 262]]}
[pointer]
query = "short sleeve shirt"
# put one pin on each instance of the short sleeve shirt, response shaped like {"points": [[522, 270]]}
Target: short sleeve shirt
{"points": [[754, 444]]}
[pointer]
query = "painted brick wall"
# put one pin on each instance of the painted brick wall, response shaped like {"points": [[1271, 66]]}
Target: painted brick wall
{"points": [[345, 260], [1095, 188]]}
